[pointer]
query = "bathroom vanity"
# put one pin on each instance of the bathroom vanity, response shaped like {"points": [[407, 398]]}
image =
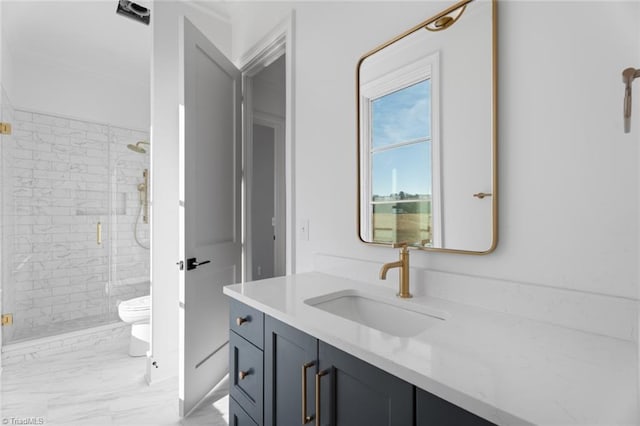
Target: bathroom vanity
{"points": [[298, 350], [283, 376]]}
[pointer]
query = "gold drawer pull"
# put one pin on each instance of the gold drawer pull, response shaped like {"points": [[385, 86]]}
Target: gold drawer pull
{"points": [[305, 418], [318, 377], [243, 374], [241, 320]]}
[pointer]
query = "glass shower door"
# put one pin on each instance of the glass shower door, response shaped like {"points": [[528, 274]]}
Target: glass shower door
{"points": [[74, 239], [56, 221], [4, 139]]}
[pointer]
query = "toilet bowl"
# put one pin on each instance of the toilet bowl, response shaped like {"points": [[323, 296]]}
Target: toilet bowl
{"points": [[137, 312]]}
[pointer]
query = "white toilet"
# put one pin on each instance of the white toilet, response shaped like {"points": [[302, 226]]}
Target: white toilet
{"points": [[137, 312]]}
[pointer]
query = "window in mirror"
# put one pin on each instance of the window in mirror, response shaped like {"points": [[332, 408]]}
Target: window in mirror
{"points": [[427, 133], [403, 197]]}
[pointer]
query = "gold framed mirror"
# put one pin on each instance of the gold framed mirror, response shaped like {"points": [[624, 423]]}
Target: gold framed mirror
{"points": [[427, 134]]}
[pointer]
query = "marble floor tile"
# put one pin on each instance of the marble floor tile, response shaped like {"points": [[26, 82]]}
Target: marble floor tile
{"points": [[99, 385]]}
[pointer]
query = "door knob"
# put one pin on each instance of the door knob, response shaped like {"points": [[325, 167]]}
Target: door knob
{"points": [[193, 263]]}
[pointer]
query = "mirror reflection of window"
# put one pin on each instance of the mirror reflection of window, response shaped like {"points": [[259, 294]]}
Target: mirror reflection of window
{"points": [[426, 117], [401, 185]]}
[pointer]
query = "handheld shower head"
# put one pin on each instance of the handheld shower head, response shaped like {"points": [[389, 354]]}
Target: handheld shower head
{"points": [[137, 148]]}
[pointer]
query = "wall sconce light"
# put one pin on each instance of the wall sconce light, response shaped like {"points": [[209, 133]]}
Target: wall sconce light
{"points": [[444, 21]]}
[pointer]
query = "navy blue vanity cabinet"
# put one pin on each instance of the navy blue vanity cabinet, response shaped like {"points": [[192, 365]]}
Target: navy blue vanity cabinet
{"points": [[353, 392], [239, 417], [275, 371], [434, 411], [246, 363], [290, 364]]}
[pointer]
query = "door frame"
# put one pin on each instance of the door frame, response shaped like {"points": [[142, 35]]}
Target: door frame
{"points": [[276, 43], [279, 245]]}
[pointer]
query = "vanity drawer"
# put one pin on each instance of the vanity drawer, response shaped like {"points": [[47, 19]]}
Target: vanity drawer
{"points": [[246, 376], [247, 322], [237, 416]]}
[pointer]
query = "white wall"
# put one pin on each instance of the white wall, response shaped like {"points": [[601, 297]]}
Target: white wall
{"points": [[80, 61], [568, 174], [6, 59], [164, 174], [45, 85]]}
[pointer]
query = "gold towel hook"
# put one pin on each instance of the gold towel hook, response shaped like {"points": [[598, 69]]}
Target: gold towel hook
{"points": [[628, 75]]}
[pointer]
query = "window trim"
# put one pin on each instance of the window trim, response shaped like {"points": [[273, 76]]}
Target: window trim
{"points": [[427, 67]]}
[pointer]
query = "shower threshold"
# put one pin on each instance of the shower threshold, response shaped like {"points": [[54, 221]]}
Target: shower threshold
{"points": [[21, 335]]}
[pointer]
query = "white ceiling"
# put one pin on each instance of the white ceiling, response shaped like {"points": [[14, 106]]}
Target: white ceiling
{"points": [[88, 35], [85, 35]]}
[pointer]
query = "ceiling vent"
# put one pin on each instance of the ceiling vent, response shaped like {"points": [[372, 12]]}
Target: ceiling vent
{"points": [[134, 11]]}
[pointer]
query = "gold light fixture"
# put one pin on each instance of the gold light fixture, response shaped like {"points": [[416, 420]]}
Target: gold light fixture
{"points": [[444, 20]]}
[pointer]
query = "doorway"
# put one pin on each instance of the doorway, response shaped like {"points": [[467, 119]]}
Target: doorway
{"points": [[265, 165]]}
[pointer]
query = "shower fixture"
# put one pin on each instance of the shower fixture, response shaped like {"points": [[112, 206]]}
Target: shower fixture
{"points": [[134, 11], [143, 189], [628, 75], [137, 148], [143, 192]]}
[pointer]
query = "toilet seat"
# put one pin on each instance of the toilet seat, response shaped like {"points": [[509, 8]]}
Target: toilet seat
{"points": [[136, 304], [135, 310]]}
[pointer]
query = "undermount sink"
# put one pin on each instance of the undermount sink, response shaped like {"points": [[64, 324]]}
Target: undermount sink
{"points": [[395, 317]]}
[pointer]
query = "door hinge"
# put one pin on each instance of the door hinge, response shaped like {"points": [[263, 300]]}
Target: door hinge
{"points": [[5, 128], [7, 319]]}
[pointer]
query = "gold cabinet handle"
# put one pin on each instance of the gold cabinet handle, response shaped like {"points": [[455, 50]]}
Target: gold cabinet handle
{"points": [[241, 320], [243, 374], [99, 233], [305, 418], [318, 378], [481, 195]]}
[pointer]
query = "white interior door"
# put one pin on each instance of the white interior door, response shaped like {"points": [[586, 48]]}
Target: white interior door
{"points": [[210, 215]]}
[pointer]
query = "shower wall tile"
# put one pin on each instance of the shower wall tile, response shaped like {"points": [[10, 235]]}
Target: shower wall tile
{"points": [[66, 175]]}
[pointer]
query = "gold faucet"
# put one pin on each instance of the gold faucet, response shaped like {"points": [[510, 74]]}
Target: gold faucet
{"points": [[403, 265]]}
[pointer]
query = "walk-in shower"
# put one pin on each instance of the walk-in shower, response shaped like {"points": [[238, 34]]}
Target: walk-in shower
{"points": [[73, 241]]}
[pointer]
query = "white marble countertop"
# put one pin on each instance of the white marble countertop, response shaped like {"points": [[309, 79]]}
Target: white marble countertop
{"points": [[504, 368]]}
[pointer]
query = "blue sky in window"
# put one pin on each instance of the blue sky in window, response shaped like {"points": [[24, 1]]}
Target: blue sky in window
{"points": [[402, 116], [406, 168]]}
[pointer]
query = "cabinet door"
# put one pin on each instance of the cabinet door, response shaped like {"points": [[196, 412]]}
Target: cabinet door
{"points": [[354, 392], [246, 375], [434, 411], [286, 352]]}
